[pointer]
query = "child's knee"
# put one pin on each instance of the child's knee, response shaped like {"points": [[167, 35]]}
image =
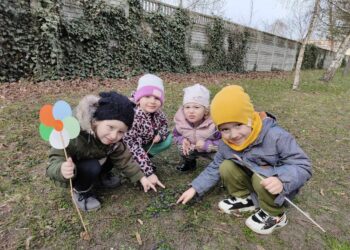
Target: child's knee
{"points": [[89, 167], [256, 183], [228, 169], [168, 141], [259, 189]]}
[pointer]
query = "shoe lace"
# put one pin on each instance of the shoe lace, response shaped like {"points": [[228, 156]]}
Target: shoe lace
{"points": [[232, 198], [85, 196], [268, 219], [263, 215]]}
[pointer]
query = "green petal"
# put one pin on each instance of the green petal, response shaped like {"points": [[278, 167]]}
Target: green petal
{"points": [[45, 131], [71, 125]]}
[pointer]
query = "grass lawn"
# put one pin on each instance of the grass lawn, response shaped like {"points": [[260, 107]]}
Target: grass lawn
{"points": [[35, 214]]}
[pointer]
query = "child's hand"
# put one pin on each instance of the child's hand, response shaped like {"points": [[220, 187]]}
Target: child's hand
{"points": [[186, 147], [272, 184], [155, 181], [186, 196], [200, 145], [146, 184], [156, 139], [67, 169]]}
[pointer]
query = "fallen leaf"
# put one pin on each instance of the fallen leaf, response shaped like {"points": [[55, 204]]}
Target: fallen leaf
{"points": [[258, 247], [321, 192], [28, 240], [238, 215], [115, 197], [138, 238], [140, 221], [85, 236]]}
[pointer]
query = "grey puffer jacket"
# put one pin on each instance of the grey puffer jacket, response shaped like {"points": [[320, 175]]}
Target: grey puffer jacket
{"points": [[274, 153]]}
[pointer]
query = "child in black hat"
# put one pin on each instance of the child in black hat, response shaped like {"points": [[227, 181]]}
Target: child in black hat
{"points": [[104, 120]]}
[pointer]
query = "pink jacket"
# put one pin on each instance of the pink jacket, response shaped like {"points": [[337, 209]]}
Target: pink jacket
{"points": [[205, 131]]}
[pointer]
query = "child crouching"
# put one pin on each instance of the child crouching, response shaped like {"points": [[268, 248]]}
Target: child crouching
{"points": [[104, 120], [149, 134], [252, 139], [195, 133]]}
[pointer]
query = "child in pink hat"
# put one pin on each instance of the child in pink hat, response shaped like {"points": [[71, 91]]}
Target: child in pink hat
{"points": [[149, 134]]}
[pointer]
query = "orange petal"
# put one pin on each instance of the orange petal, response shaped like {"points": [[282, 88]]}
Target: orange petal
{"points": [[58, 125], [46, 116]]}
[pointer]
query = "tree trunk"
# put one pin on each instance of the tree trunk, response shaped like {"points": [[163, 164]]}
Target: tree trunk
{"points": [[335, 64], [347, 68], [303, 45]]}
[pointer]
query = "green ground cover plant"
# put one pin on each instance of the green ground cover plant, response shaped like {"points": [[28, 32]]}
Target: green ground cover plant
{"points": [[35, 214]]}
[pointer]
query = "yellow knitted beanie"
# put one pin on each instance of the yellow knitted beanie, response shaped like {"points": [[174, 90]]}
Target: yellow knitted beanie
{"points": [[232, 104]]}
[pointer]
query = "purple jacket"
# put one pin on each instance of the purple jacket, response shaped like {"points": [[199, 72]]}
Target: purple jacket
{"points": [[144, 128], [205, 131]]}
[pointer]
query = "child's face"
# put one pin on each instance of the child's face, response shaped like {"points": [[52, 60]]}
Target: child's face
{"points": [[149, 104], [110, 131], [194, 112], [234, 132]]}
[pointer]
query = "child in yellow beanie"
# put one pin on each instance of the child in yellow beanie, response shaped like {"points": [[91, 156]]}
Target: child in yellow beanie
{"points": [[252, 145]]}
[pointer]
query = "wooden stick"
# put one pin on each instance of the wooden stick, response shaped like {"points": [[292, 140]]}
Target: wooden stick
{"points": [[150, 147], [288, 200], [71, 190]]}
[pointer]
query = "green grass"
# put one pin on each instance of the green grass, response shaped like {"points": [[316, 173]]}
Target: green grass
{"points": [[36, 214]]}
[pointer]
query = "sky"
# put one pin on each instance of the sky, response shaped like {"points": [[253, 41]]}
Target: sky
{"points": [[263, 11], [238, 11]]}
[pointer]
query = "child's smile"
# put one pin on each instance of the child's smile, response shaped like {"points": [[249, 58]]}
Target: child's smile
{"points": [[149, 104], [110, 131], [235, 133]]}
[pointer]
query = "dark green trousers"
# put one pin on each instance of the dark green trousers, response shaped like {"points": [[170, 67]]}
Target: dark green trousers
{"points": [[241, 182]]}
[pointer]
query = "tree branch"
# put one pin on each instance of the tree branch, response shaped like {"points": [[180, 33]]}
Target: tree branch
{"points": [[339, 7]]}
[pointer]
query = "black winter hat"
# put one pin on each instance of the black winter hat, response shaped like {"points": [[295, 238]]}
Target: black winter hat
{"points": [[114, 106]]}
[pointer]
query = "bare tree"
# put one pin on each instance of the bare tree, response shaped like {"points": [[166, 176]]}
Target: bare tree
{"points": [[331, 24], [278, 27], [342, 28], [338, 58], [347, 68], [202, 6], [303, 45], [251, 12], [299, 21]]}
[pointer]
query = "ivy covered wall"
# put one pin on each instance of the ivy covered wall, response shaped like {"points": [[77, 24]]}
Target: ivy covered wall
{"points": [[226, 49], [18, 40], [40, 42], [102, 42], [313, 57]]}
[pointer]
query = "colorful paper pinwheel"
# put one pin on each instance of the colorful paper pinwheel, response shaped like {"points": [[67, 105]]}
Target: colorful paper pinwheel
{"points": [[58, 125]]}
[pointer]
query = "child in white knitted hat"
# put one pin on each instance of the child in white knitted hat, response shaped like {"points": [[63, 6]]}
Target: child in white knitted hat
{"points": [[195, 133], [149, 134]]}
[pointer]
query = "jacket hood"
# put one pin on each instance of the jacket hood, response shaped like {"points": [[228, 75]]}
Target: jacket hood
{"points": [[181, 121], [84, 112], [268, 122]]}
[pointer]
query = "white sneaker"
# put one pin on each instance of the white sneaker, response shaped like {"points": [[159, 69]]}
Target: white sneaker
{"points": [[263, 223], [235, 204]]}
